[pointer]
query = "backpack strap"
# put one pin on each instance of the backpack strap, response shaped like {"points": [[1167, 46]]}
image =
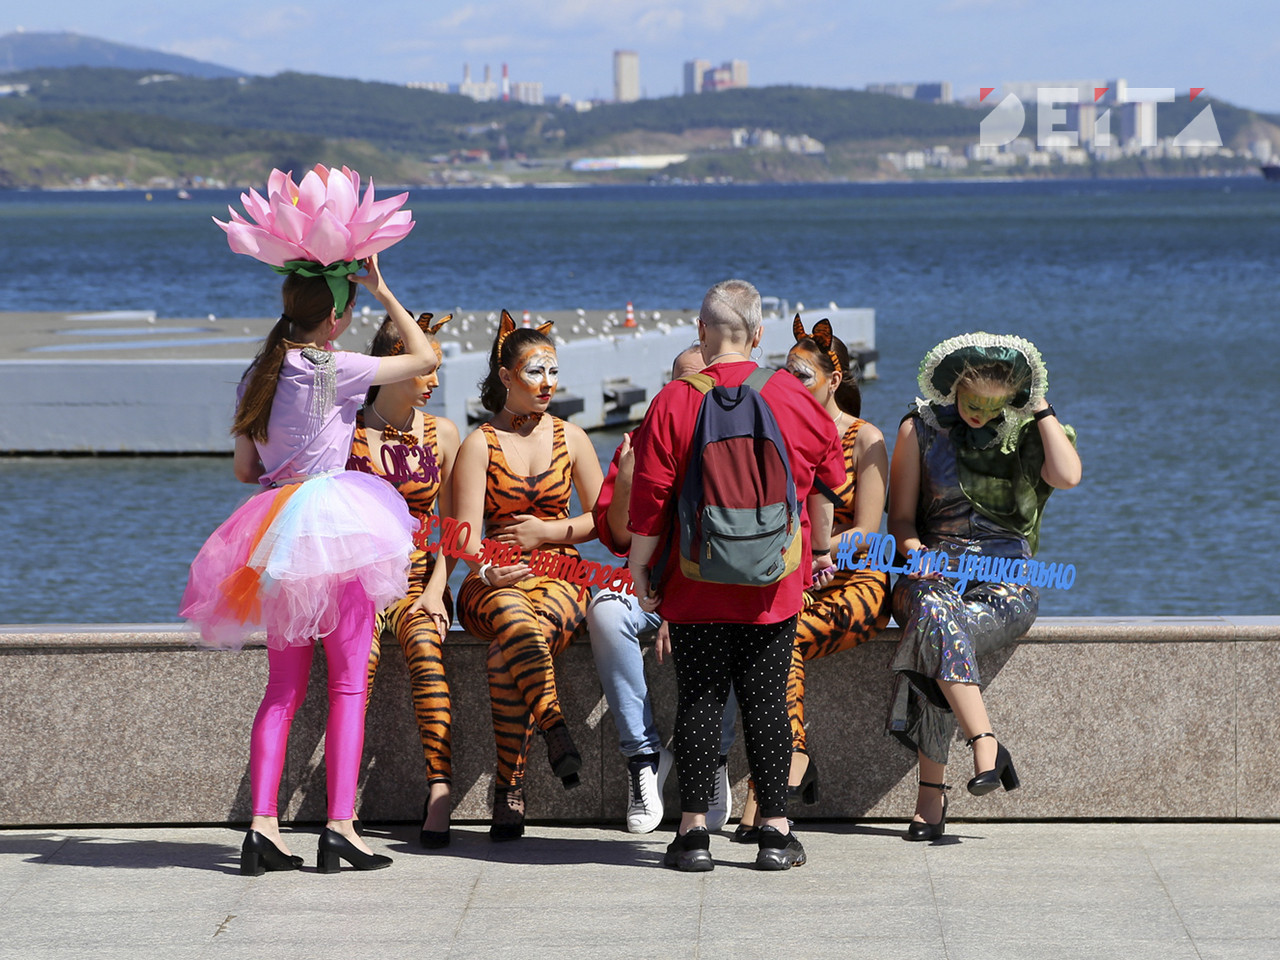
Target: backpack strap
{"points": [[702, 382], [759, 377], [827, 492]]}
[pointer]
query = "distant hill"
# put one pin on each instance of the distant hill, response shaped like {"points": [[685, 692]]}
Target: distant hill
{"points": [[77, 122], [421, 122], [32, 51]]}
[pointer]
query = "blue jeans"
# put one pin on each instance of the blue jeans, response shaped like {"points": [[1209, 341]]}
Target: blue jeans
{"points": [[614, 623]]}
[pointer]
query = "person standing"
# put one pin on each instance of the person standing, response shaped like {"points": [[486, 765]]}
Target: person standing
{"points": [[321, 549], [615, 622], [724, 633]]}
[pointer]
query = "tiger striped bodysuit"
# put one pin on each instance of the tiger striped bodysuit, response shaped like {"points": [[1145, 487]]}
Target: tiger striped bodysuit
{"points": [[529, 622], [418, 634], [849, 610]]}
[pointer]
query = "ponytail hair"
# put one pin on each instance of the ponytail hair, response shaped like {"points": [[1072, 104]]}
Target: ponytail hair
{"points": [[308, 302], [510, 343], [848, 394]]}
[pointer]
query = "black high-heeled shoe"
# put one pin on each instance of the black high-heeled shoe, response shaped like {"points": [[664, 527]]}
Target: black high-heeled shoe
{"points": [[563, 754], [922, 829], [807, 788], [1001, 775], [258, 855], [508, 814], [334, 847], [432, 839]]}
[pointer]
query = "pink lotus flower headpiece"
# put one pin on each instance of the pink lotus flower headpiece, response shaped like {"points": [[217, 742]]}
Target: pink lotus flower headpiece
{"points": [[319, 227]]}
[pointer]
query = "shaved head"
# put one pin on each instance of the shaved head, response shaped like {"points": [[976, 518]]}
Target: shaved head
{"points": [[732, 307], [688, 361]]}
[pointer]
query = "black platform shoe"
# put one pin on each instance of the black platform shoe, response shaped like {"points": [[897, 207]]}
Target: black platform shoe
{"points": [[778, 850], [1001, 775], [563, 754], [258, 855], [921, 830], [432, 839], [690, 853], [335, 847]]}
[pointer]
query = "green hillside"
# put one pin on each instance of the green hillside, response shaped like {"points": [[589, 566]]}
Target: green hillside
{"points": [[80, 122]]}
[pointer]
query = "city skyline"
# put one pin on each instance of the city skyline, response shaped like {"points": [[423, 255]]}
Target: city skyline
{"points": [[567, 45]]}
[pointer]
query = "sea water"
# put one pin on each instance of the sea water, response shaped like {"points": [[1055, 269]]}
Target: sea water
{"points": [[1153, 302]]}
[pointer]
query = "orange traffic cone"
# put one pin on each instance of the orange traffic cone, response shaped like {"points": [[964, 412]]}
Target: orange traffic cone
{"points": [[526, 318], [631, 316]]}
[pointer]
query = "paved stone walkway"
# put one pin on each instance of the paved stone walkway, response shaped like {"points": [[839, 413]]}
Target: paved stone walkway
{"points": [[1021, 891]]}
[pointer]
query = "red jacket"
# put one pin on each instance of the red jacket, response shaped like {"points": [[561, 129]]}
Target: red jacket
{"points": [[662, 444]]}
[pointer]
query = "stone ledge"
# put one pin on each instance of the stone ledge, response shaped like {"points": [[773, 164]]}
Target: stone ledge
{"points": [[1106, 717]]}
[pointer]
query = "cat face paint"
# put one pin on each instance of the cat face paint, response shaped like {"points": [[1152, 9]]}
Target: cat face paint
{"points": [[539, 373], [800, 367]]}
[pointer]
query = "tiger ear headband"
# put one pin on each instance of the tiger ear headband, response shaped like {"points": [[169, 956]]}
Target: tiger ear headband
{"points": [[424, 322], [507, 326], [821, 335], [434, 328]]}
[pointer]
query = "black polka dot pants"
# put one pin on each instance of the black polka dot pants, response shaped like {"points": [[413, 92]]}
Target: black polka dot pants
{"points": [[755, 658]]}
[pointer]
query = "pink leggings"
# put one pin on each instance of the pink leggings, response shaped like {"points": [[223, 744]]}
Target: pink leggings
{"points": [[347, 653]]}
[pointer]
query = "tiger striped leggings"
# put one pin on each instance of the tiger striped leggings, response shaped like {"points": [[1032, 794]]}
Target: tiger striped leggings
{"points": [[423, 647], [526, 624], [849, 610]]}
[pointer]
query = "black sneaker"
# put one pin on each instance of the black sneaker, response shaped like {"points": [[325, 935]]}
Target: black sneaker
{"points": [[779, 851], [690, 853]]}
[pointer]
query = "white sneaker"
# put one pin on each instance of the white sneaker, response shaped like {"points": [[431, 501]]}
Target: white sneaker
{"points": [[721, 797], [647, 774]]}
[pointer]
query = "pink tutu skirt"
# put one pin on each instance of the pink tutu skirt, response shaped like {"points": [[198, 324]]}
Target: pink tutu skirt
{"points": [[281, 561]]}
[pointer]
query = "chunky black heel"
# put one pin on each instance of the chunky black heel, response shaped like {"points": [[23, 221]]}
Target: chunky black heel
{"points": [[432, 839], [1001, 775], [922, 830], [334, 847], [563, 754], [258, 855], [508, 814], [807, 788]]}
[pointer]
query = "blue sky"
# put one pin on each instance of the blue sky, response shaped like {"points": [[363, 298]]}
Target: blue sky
{"points": [[1231, 49]]}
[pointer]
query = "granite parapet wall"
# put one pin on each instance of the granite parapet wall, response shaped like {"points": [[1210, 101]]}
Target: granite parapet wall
{"points": [[1106, 718]]}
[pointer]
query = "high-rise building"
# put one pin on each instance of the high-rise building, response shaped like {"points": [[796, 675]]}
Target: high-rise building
{"points": [[701, 77], [693, 74], [626, 76], [527, 91]]}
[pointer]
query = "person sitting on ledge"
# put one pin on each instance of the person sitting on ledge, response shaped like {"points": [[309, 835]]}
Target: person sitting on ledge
{"points": [[415, 452], [972, 468], [515, 475], [854, 605]]}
